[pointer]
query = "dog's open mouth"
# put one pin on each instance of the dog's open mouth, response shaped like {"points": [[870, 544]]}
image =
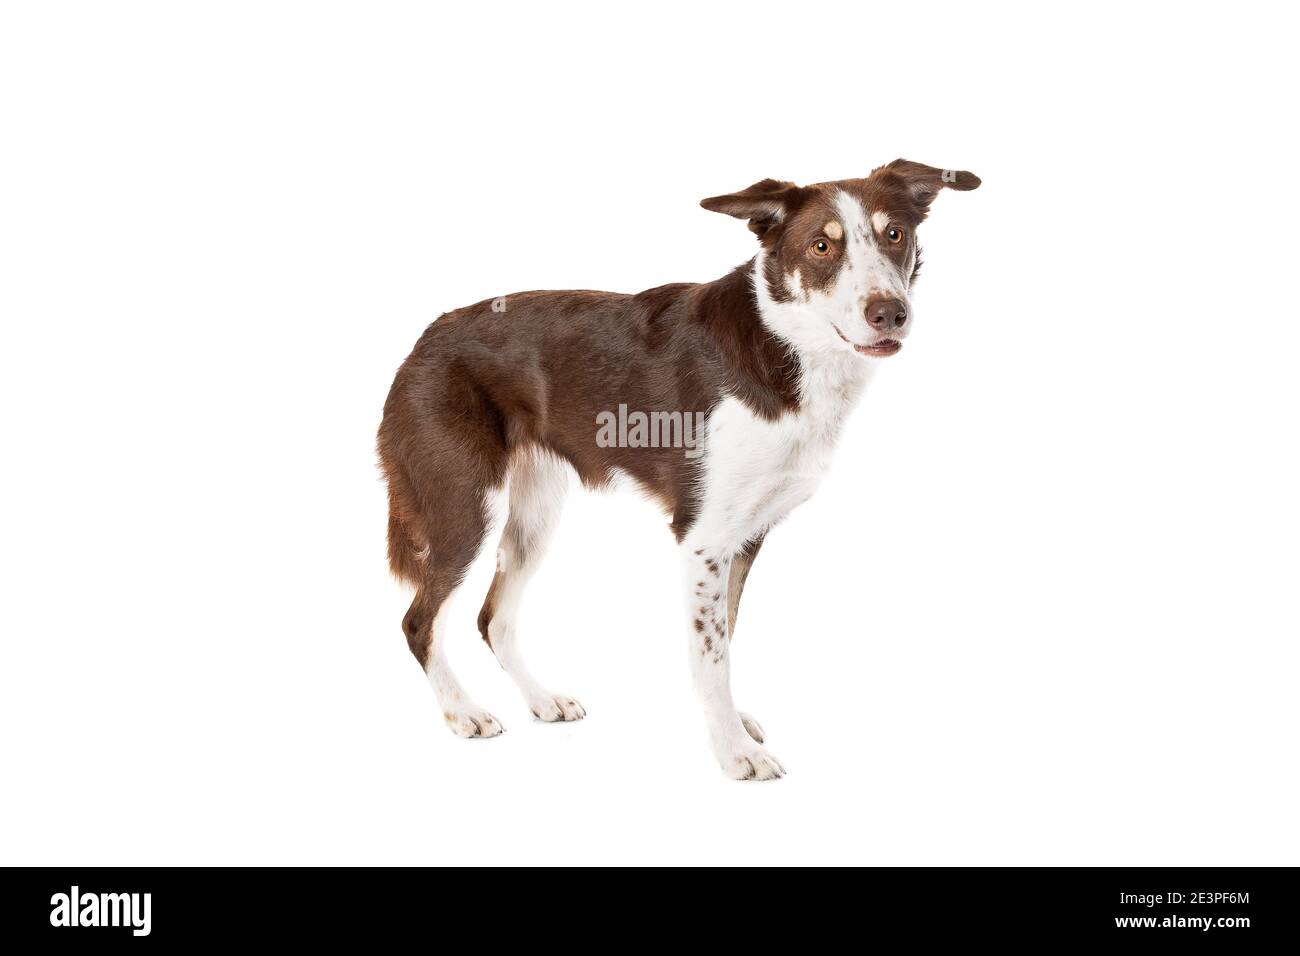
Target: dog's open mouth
{"points": [[879, 347]]}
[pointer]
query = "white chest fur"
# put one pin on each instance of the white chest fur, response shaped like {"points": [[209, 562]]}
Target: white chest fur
{"points": [[757, 470]]}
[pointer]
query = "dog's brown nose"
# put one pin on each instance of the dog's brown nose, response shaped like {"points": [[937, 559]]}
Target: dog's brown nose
{"points": [[886, 315]]}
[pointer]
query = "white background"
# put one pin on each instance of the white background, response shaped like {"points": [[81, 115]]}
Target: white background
{"points": [[1043, 610]]}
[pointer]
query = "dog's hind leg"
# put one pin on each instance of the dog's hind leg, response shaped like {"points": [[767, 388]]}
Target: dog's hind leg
{"points": [[537, 485], [445, 560]]}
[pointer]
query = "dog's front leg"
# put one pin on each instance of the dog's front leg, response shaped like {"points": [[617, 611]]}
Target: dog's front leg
{"points": [[707, 572]]}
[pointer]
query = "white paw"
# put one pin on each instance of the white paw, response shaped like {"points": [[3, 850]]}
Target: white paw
{"points": [[558, 708], [473, 723], [752, 727], [753, 764]]}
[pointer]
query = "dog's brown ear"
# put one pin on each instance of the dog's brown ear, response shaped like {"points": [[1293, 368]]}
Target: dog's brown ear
{"points": [[924, 182], [765, 204]]}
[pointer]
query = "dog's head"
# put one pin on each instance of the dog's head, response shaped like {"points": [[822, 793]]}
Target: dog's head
{"points": [[839, 258]]}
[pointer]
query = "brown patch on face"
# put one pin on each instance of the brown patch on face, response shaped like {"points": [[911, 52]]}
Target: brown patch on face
{"points": [[712, 566], [903, 191], [804, 246]]}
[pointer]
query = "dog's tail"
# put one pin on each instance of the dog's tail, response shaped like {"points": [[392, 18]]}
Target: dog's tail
{"points": [[408, 551]]}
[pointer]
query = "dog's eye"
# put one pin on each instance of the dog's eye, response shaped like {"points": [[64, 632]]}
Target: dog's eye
{"points": [[821, 248], [894, 235]]}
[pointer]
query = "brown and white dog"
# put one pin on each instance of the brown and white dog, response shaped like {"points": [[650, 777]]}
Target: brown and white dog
{"points": [[770, 359]]}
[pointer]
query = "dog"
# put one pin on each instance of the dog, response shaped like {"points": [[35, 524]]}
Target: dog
{"points": [[771, 358]]}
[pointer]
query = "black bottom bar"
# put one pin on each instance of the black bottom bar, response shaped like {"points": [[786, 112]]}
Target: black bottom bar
{"points": [[1222, 907]]}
